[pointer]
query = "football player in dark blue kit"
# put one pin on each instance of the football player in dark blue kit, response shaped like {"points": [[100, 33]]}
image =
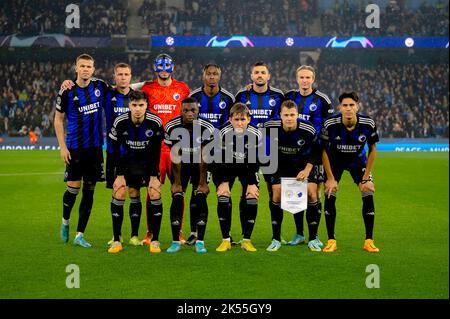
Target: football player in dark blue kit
{"points": [[313, 106], [136, 141], [214, 104], [187, 135], [81, 150], [297, 152], [116, 104], [263, 100], [344, 137], [214, 101]]}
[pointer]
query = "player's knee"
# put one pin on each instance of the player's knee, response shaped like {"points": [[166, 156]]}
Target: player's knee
{"points": [[312, 195], [74, 184], [119, 192], [153, 194], [276, 193], [223, 191]]}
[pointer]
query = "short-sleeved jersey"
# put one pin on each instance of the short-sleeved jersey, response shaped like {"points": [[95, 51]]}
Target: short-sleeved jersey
{"points": [[315, 107], [346, 148], [214, 108], [84, 111], [263, 106], [190, 137], [239, 150], [141, 143], [165, 101], [116, 104], [296, 148]]}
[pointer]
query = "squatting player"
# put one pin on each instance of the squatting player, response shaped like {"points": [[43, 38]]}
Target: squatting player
{"points": [[214, 105], [238, 140], [136, 141], [297, 152], [187, 135], [313, 106], [344, 136], [164, 99], [81, 151]]}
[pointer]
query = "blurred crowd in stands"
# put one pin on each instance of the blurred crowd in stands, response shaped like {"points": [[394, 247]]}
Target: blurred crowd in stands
{"points": [[226, 17], [31, 18], [397, 19], [291, 18], [409, 100]]}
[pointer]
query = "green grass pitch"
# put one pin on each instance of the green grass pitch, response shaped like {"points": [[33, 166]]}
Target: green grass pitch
{"points": [[411, 229]]}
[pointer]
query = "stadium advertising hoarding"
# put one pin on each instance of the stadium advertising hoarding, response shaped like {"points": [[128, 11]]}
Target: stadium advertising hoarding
{"points": [[388, 145], [62, 40], [299, 42]]}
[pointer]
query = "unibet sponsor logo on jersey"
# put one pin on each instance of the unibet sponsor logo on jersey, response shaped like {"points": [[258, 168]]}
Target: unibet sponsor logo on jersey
{"points": [[137, 145], [261, 114], [213, 117], [304, 117], [349, 148], [88, 109], [288, 150], [121, 110], [164, 108]]}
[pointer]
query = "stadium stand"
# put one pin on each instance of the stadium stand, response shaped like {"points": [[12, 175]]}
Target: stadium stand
{"points": [[97, 18]]}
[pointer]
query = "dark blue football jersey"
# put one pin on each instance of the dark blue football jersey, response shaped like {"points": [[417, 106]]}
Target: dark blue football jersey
{"points": [[116, 104], [295, 148], [240, 151], [190, 137], [84, 109], [214, 108], [315, 107], [137, 146], [344, 147], [263, 106]]}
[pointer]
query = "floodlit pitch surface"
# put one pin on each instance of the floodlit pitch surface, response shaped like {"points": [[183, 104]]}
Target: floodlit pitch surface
{"points": [[411, 230]]}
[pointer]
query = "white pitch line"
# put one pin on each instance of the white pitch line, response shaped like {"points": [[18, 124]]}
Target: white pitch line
{"points": [[27, 174]]}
